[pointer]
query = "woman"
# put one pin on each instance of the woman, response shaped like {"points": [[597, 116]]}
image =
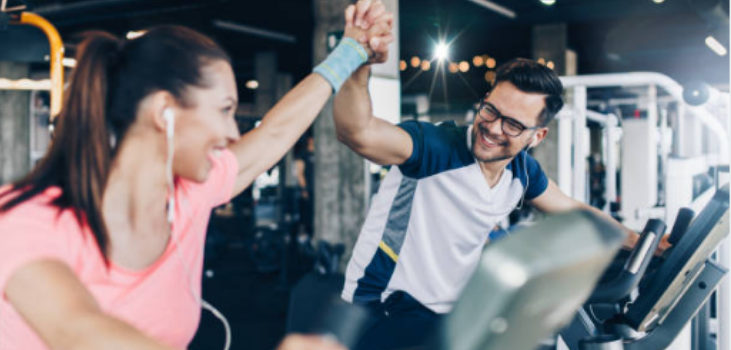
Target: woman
{"points": [[101, 244]]}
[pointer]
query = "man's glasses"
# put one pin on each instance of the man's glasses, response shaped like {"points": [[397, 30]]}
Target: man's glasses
{"points": [[510, 126]]}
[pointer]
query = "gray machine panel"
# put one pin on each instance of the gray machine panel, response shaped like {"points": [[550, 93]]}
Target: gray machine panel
{"points": [[531, 284]]}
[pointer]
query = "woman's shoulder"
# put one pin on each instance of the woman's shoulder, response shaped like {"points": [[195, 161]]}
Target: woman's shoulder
{"points": [[38, 213]]}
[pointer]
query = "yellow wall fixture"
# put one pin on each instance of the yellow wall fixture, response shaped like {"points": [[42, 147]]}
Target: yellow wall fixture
{"points": [[56, 53]]}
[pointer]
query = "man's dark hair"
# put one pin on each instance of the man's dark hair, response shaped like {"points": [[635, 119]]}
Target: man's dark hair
{"points": [[530, 76]]}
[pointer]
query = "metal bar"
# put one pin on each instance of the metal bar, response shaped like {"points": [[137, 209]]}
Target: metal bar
{"points": [[724, 291], [263, 33], [565, 122], [652, 175], [612, 137], [496, 8], [57, 52], [59, 9], [579, 162], [669, 85], [661, 100], [724, 300], [594, 116], [25, 84]]}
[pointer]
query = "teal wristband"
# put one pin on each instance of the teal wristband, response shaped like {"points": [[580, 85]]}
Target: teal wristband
{"points": [[342, 62]]}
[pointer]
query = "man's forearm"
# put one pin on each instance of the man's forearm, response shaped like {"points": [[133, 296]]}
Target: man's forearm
{"points": [[352, 107]]}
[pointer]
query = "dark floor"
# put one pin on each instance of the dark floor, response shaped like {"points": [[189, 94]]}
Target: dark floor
{"points": [[254, 302]]}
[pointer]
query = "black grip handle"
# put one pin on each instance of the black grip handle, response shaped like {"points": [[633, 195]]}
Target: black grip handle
{"points": [[654, 225], [634, 268], [645, 247], [682, 222]]}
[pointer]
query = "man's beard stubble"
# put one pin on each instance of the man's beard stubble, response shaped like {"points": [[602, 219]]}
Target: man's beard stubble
{"points": [[503, 145]]}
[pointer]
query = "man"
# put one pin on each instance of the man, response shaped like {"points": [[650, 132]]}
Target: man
{"points": [[449, 186]]}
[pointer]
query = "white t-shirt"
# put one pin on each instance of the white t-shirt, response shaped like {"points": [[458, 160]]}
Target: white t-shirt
{"points": [[428, 224]]}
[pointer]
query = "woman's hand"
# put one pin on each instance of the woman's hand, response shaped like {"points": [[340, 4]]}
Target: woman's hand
{"points": [[308, 342], [371, 25]]}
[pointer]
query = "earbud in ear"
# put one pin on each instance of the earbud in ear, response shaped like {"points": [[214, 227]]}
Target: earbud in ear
{"points": [[534, 141], [169, 117]]}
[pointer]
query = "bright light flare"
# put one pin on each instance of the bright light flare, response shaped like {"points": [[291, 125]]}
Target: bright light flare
{"points": [[441, 52], [252, 84], [716, 46], [134, 34]]}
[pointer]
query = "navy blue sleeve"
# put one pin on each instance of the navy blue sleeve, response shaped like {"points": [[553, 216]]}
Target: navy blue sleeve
{"points": [[538, 180], [436, 149]]}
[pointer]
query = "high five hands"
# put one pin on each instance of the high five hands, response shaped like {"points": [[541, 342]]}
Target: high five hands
{"points": [[369, 23]]}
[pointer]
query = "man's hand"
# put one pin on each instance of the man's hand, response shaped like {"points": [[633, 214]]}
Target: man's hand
{"points": [[663, 245], [370, 24]]}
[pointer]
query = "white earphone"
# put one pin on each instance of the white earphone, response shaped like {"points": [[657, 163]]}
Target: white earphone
{"points": [[533, 143], [169, 115]]}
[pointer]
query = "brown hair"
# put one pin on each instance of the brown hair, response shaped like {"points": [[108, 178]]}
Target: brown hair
{"points": [[106, 87], [530, 76]]}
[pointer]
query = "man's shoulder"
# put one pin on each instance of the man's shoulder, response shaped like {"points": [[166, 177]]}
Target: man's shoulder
{"points": [[437, 148], [445, 132]]}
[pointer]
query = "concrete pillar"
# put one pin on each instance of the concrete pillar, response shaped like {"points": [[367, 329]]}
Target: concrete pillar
{"points": [[550, 42], [265, 66], [269, 91], [14, 125], [339, 189], [341, 186]]}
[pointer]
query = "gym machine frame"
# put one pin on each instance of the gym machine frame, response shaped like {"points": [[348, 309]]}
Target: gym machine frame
{"points": [[575, 166], [18, 17]]}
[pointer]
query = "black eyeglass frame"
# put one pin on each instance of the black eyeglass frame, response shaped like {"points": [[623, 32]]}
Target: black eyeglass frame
{"points": [[484, 105]]}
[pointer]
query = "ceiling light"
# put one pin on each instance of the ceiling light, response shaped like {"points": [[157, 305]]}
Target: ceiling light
{"points": [[658, 1], [252, 84], [425, 65], [402, 65], [415, 61], [492, 6], [69, 62], [132, 34], [478, 61], [490, 63], [453, 68], [464, 67], [548, 2], [714, 45], [441, 51]]}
